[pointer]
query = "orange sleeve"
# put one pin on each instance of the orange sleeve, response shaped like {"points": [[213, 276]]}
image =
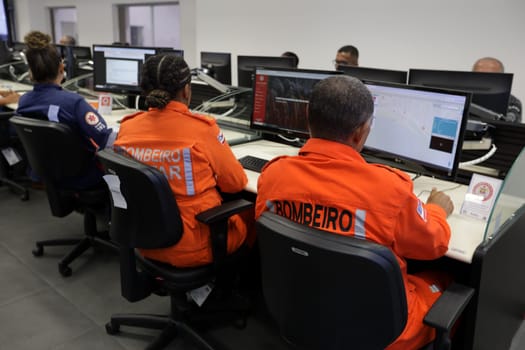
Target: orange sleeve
{"points": [[422, 231], [229, 172]]}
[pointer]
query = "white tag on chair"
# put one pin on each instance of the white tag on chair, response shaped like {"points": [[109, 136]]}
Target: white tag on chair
{"points": [[11, 156], [114, 188], [199, 295]]}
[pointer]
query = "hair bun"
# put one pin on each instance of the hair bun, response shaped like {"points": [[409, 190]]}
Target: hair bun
{"points": [[37, 40]]}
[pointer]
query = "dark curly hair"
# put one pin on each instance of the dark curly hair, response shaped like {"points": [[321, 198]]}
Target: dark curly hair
{"points": [[42, 57], [162, 77]]}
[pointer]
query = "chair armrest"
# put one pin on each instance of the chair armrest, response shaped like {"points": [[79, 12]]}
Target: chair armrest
{"points": [[223, 211], [217, 219], [445, 312]]}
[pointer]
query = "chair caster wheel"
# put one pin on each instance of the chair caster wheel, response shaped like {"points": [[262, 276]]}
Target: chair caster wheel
{"points": [[38, 251], [24, 197], [64, 270], [112, 328]]}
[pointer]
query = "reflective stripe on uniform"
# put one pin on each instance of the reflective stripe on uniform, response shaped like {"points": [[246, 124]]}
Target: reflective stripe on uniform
{"points": [[360, 217], [188, 172]]}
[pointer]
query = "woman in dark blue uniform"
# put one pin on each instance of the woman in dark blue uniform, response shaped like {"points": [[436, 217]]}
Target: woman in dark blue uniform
{"points": [[49, 101]]}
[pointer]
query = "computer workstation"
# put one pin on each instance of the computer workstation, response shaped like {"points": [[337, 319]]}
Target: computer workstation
{"points": [[417, 129]]}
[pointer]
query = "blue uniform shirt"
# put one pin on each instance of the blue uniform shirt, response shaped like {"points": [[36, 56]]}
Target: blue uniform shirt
{"points": [[49, 100]]}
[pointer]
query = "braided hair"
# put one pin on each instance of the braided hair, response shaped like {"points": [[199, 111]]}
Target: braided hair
{"points": [[42, 57], [162, 77]]}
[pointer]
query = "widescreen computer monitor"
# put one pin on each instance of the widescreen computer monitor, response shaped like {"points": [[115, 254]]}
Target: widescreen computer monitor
{"points": [[5, 33], [489, 90], [375, 74], [418, 129], [247, 64], [170, 51], [218, 66], [117, 69], [280, 100]]}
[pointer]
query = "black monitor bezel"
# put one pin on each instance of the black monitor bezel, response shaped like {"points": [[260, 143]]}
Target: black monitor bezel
{"points": [[371, 74], [407, 164], [260, 61], [454, 80], [223, 62], [170, 51], [121, 89], [287, 134]]}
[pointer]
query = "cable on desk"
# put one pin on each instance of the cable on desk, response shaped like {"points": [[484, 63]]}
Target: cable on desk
{"points": [[444, 190], [481, 159]]}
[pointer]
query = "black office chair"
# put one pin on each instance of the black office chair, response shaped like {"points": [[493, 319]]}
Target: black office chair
{"points": [[55, 152], [150, 219], [12, 170], [328, 291]]}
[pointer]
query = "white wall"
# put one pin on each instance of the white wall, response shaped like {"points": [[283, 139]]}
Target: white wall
{"points": [[402, 34]]}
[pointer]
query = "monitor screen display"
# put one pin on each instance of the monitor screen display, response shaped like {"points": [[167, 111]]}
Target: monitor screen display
{"points": [[489, 90], [247, 64], [117, 69], [4, 22], [218, 66], [375, 74], [280, 100], [170, 51], [420, 129]]}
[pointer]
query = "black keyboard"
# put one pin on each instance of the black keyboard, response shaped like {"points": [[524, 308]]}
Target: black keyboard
{"points": [[253, 163]]}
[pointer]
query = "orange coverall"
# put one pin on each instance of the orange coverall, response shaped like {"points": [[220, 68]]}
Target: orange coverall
{"points": [[193, 154], [331, 187]]}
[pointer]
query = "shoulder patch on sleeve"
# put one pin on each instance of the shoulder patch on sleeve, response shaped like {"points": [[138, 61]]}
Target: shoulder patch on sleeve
{"points": [[221, 138], [421, 211], [91, 119]]}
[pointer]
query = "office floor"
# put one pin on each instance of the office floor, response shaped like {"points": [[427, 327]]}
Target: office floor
{"points": [[40, 309]]}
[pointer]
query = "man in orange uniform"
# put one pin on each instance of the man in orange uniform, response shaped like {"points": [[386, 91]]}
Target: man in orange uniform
{"points": [[331, 187], [191, 151]]}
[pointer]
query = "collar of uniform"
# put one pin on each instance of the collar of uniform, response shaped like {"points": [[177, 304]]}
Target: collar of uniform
{"points": [[176, 106], [330, 149], [44, 86]]}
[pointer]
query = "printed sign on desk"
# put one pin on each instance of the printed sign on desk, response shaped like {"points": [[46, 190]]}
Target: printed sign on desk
{"points": [[481, 195], [105, 103]]}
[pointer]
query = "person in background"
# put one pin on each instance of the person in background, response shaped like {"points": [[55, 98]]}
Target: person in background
{"points": [[192, 152], [347, 55], [330, 175], [49, 101], [493, 65], [67, 40], [292, 55]]}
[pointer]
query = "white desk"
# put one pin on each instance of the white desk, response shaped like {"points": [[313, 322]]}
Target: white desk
{"points": [[232, 136], [467, 232]]}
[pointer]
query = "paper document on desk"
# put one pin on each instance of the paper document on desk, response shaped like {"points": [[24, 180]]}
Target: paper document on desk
{"points": [[480, 197], [113, 182]]}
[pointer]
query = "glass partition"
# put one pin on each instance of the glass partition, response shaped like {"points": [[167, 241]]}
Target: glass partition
{"points": [[510, 198]]}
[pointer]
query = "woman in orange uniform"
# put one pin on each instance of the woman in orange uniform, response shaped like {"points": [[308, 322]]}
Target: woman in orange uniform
{"points": [[191, 151], [331, 187]]}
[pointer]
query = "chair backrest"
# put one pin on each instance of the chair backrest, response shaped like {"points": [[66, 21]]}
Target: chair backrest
{"points": [[151, 219], [328, 291], [55, 152]]}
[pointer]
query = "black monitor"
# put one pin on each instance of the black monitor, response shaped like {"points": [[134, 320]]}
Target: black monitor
{"points": [[280, 100], [81, 53], [247, 64], [218, 66], [5, 26], [375, 74], [117, 69], [418, 129], [489, 90], [170, 51]]}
